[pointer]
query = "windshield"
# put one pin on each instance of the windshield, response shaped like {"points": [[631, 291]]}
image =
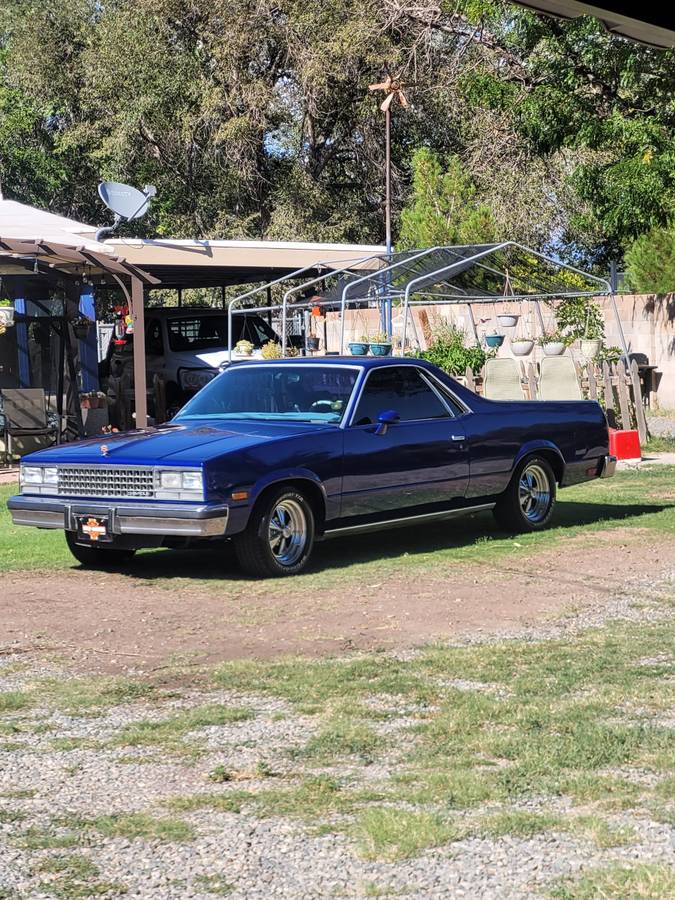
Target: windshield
{"points": [[199, 332], [288, 393]]}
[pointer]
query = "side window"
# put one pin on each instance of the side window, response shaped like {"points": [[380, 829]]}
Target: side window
{"points": [[455, 408], [153, 338], [401, 388]]}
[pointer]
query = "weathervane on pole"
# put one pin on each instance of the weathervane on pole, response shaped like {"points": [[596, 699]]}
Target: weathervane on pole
{"points": [[393, 89]]}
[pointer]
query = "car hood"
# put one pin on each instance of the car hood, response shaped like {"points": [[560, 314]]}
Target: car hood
{"points": [[206, 358], [182, 444]]}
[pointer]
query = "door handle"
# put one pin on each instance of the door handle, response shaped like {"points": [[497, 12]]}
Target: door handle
{"points": [[457, 437]]}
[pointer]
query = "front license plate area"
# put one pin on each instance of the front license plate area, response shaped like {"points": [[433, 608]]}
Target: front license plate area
{"points": [[95, 529]]}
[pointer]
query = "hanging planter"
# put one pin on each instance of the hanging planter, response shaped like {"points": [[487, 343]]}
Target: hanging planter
{"points": [[552, 343], [507, 321], [81, 327], [522, 347], [494, 340], [590, 347], [6, 316]]}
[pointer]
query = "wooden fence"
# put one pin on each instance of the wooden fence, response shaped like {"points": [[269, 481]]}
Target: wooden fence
{"points": [[617, 388]]}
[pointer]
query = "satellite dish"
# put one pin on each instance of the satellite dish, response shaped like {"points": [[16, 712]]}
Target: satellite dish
{"points": [[125, 201]]}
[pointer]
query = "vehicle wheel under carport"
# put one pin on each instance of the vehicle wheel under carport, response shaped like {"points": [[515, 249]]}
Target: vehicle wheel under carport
{"points": [[527, 503], [101, 557], [279, 537]]}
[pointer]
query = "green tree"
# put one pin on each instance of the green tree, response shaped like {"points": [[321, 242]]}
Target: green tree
{"points": [[443, 207], [650, 262]]}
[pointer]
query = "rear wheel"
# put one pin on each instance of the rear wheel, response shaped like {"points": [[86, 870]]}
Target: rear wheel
{"points": [[527, 503], [101, 557], [279, 537]]}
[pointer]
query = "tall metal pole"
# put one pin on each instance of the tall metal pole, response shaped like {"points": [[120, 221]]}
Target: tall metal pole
{"points": [[387, 178], [386, 313]]}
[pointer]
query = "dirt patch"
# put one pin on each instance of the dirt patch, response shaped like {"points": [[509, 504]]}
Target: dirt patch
{"points": [[116, 623]]}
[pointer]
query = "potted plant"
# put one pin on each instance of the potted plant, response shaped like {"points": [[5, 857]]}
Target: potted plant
{"points": [[494, 340], [507, 321], [579, 317], [552, 343], [243, 348], [81, 327], [6, 314], [359, 347], [380, 344], [521, 346], [271, 350]]}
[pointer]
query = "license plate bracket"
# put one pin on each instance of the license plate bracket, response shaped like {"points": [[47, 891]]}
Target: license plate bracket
{"points": [[94, 528]]}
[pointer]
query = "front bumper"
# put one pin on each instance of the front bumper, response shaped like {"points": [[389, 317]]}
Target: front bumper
{"points": [[125, 517], [608, 467]]}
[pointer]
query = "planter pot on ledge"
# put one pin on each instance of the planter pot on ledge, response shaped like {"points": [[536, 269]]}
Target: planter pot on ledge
{"points": [[358, 348], [380, 349]]}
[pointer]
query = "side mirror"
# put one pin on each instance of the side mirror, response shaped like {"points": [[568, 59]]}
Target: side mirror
{"points": [[386, 418]]}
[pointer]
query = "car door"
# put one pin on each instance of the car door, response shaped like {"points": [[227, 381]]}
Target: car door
{"points": [[420, 460]]}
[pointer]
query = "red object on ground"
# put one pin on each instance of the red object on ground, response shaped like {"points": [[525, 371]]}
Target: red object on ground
{"points": [[624, 444]]}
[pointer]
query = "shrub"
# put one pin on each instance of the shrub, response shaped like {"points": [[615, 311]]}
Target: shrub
{"points": [[448, 352]]}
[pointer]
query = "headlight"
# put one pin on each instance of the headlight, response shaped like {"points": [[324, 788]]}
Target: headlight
{"points": [[179, 484], [40, 479], [195, 379], [31, 474]]}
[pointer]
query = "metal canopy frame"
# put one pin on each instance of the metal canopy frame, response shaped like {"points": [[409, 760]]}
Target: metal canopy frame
{"points": [[235, 305], [457, 274]]}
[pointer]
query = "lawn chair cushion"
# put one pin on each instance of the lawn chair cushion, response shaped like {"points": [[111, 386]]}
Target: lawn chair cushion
{"points": [[502, 380], [558, 379]]}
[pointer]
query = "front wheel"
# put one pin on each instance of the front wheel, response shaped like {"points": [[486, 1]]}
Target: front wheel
{"points": [[527, 503], [279, 537], [103, 557]]}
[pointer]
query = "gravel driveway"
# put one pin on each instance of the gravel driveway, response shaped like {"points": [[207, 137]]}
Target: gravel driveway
{"points": [[97, 791]]}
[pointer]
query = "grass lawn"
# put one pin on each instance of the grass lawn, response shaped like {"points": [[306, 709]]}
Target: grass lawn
{"points": [[643, 498]]}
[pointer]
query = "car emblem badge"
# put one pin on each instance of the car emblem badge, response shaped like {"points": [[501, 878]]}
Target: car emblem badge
{"points": [[104, 449]]}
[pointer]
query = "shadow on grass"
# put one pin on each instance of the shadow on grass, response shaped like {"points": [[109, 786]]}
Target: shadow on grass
{"points": [[216, 563]]}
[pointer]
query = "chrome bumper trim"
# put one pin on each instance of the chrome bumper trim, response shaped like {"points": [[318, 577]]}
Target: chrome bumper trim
{"points": [[197, 520], [608, 466]]}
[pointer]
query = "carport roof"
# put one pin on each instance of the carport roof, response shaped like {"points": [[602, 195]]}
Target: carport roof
{"points": [[204, 263]]}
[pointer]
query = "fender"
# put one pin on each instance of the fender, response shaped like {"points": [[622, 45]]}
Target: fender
{"points": [[539, 444]]}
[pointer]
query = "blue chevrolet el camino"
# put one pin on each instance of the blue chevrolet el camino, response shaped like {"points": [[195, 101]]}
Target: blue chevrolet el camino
{"points": [[276, 455]]}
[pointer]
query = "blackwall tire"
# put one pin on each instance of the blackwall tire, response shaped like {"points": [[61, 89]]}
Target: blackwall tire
{"points": [[528, 502], [280, 535]]}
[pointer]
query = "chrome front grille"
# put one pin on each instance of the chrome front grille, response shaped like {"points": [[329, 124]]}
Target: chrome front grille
{"points": [[106, 481]]}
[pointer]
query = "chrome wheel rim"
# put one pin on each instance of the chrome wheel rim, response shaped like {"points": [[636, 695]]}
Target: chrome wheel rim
{"points": [[287, 532], [534, 493]]}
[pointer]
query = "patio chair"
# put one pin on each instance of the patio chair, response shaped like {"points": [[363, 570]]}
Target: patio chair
{"points": [[501, 380], [25, 414], [558, 379]]}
